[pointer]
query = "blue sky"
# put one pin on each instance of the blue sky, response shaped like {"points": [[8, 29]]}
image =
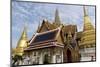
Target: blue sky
{"points": [[32, 14]]}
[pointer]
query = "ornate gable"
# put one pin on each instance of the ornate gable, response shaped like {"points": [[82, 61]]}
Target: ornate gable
{"points": [[45, 26]]}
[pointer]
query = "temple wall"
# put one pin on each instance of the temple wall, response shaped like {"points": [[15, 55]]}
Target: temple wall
{"points": [[88, 54], [38, 57]]}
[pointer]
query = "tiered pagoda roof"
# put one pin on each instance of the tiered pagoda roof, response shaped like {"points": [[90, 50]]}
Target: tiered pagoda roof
{"points": [[88, 34], [45, 39]]}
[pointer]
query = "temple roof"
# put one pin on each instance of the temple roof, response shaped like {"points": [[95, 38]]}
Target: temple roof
{"points": [[48, 25], [44, 39], [64, 30], [45, 36]]}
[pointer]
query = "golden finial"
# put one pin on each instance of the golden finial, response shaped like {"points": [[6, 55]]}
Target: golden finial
{"points": [[85, 12]]}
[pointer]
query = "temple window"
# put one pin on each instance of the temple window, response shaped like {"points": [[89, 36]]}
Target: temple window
{"points": [[72, 35], [34, 53], [58, 59]]}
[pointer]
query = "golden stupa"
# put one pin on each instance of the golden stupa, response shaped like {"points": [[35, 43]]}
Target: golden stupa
{"points": [[22, 43], [88, 34]]}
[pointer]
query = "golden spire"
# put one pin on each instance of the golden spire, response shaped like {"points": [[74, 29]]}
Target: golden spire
{"points": [[85, 12], [88, 34], [22, 43], [87, 21], [57, 18]]}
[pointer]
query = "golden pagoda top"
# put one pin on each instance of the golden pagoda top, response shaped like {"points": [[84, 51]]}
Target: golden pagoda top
{"points": [[22, 43], [87, 21], [88, 34]]}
